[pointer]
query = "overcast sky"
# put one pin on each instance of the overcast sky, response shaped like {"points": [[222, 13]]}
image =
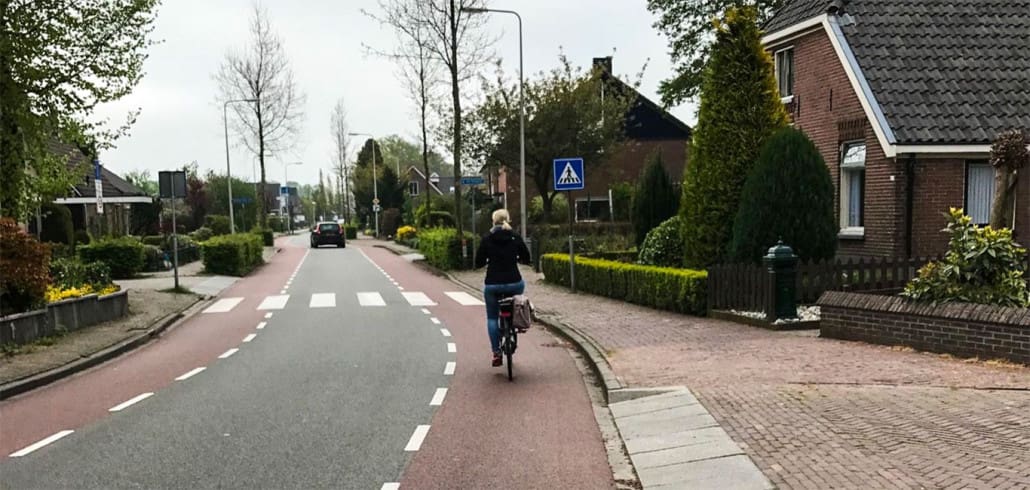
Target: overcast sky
{"points": [[181, 122]]}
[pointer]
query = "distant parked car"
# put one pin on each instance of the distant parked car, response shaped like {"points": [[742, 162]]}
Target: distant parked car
{"points": [[327, 233]]}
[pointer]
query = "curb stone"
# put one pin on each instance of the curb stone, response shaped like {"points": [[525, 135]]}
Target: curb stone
{"points": [[32, 382]]}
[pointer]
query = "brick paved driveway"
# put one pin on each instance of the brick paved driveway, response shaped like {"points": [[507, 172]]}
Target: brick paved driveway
{"points": [[820, 413]]}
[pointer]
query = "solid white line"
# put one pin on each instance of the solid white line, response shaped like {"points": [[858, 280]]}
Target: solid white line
{"points": [[249, 337], [448, 370], [452, 347], [391, 486], [322, 300], [226, 354], [371, 299], [416, 298], [274, 302], [445, 332], [434, 320], [438, 397], [416, 439], [223, 305], [268, 315], [261, 325], [44, 442], [425, 311], [129, 403], [463, 298], [190, 374]]}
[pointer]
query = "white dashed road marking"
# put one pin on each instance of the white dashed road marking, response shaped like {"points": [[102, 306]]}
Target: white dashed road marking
{"points": [[223, 305], [445, 332], [426, 311], [128, 403], [438, 397], [226, 354], [371, 299], [416, 439], [452, 347], [249, 337], [49, 440], [435, 320], [391, 486], [449, 369], [323, 300], [274, 302], [463, 298], [190, 374], [261, 325], [268, 315]]}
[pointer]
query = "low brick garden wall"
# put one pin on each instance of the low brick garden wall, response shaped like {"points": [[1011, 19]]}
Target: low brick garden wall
{"points": [[67, 315], [987, 332]]}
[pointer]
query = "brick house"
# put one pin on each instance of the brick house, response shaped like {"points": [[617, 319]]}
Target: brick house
{"points": [[648, 128], [118, 196], [903, 99]]}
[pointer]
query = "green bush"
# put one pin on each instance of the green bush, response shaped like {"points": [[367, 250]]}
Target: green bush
{"points": [[350, 232], [24, 269], [664, 288], [57, 224], [155, 240], [123, 255], [656, 199], [267, 236], [437, 219], [442, 247], [559, 210], [82, 237], [153, 258], [663, 246], [276, 223], [73, 273], [788, 196], [218, 224], [232, 255], [740, 110], [202, 234], [390, 220], [983, 265]]}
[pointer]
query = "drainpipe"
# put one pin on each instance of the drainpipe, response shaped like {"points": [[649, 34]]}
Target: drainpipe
{"points": [[910, 185]]}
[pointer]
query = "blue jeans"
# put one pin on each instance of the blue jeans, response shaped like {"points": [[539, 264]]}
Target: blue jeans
{"points": [[493, 310]]}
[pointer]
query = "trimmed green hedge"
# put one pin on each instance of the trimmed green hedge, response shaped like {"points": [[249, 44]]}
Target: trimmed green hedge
{"points": [[664, 288], [233, 255], [266, 235], [350, 232], [442, 248], [125, 255]]}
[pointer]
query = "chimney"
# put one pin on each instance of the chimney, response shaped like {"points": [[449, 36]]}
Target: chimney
{"points": [[604, 64]]}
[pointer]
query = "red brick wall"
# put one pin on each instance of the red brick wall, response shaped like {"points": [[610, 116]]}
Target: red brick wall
{"points": [[625, 166], [988, 332]]}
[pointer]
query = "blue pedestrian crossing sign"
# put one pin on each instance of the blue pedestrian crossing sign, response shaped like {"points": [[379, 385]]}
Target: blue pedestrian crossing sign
{"points": [[568, 174]]}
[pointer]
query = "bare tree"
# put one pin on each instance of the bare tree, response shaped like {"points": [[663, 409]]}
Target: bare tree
{"points": [[261, 72], [456, 40], [339, 128], [414, 62]]}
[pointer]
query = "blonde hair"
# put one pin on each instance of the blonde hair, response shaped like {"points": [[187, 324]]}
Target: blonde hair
{"points": [[501, 218]]}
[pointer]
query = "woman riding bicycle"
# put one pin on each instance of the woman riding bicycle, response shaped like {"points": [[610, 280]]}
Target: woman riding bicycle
{"points": [[500, 251]]}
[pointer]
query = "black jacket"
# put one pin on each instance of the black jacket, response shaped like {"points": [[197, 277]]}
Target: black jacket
{"points": [[501, 250]]}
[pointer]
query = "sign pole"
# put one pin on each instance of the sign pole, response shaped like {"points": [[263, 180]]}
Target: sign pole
{"points": [[569, 176], [175, 245], [572, 253]]}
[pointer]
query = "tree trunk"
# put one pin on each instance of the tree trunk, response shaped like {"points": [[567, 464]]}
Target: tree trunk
{"points": [[456, 97], [1004, 197], [425, 135], [263, 210]]}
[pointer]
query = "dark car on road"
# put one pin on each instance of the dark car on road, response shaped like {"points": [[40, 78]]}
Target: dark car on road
{"points": [[327, 233]]}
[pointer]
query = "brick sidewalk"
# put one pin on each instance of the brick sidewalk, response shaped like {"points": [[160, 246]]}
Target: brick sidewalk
{"points": [[819, 413]]}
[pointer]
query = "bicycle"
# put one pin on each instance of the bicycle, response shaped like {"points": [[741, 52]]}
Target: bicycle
{"points": [[509, 334]]}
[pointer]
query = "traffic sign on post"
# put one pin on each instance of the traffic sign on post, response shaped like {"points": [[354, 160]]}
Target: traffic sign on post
{"points": [[375, 201], [473, 180], [99, 183], [568, 174]]}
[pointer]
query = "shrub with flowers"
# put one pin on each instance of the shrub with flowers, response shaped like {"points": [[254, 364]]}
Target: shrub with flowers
{"points": [[406, 233]]}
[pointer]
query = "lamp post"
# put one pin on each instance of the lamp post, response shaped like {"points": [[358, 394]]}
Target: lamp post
{"points": [[375, 185], [522, 116], [228, 172], [286, 184]]}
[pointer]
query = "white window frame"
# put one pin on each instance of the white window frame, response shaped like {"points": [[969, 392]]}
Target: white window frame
{"points": [[846, 229], [591, 200], [417, 190], [965, 190], [786, 99]]}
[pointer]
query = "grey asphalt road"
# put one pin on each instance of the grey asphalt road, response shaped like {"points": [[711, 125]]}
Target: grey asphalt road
{"points": [[320, 398]]}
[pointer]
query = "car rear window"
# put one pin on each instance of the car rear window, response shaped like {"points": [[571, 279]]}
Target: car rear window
{"points": [[329, 227]]}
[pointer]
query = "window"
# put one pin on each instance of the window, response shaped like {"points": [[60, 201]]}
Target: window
{"points": [[592, 210], [413, 188], [979, 191], [785, 72], [852, 189]]}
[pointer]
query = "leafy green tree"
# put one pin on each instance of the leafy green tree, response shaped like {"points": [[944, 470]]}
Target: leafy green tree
{"points": [[391, 189], [663, 246], [689, 27], [788, 195], [143, 180], [656, 199], [364, 158], [740, 110], [59, 60], [565, 115], [246, 208]]}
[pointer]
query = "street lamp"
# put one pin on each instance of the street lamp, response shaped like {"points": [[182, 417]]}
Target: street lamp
{"points": [[286, 184], [522, 116], [375, 185], [228, 172]]}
